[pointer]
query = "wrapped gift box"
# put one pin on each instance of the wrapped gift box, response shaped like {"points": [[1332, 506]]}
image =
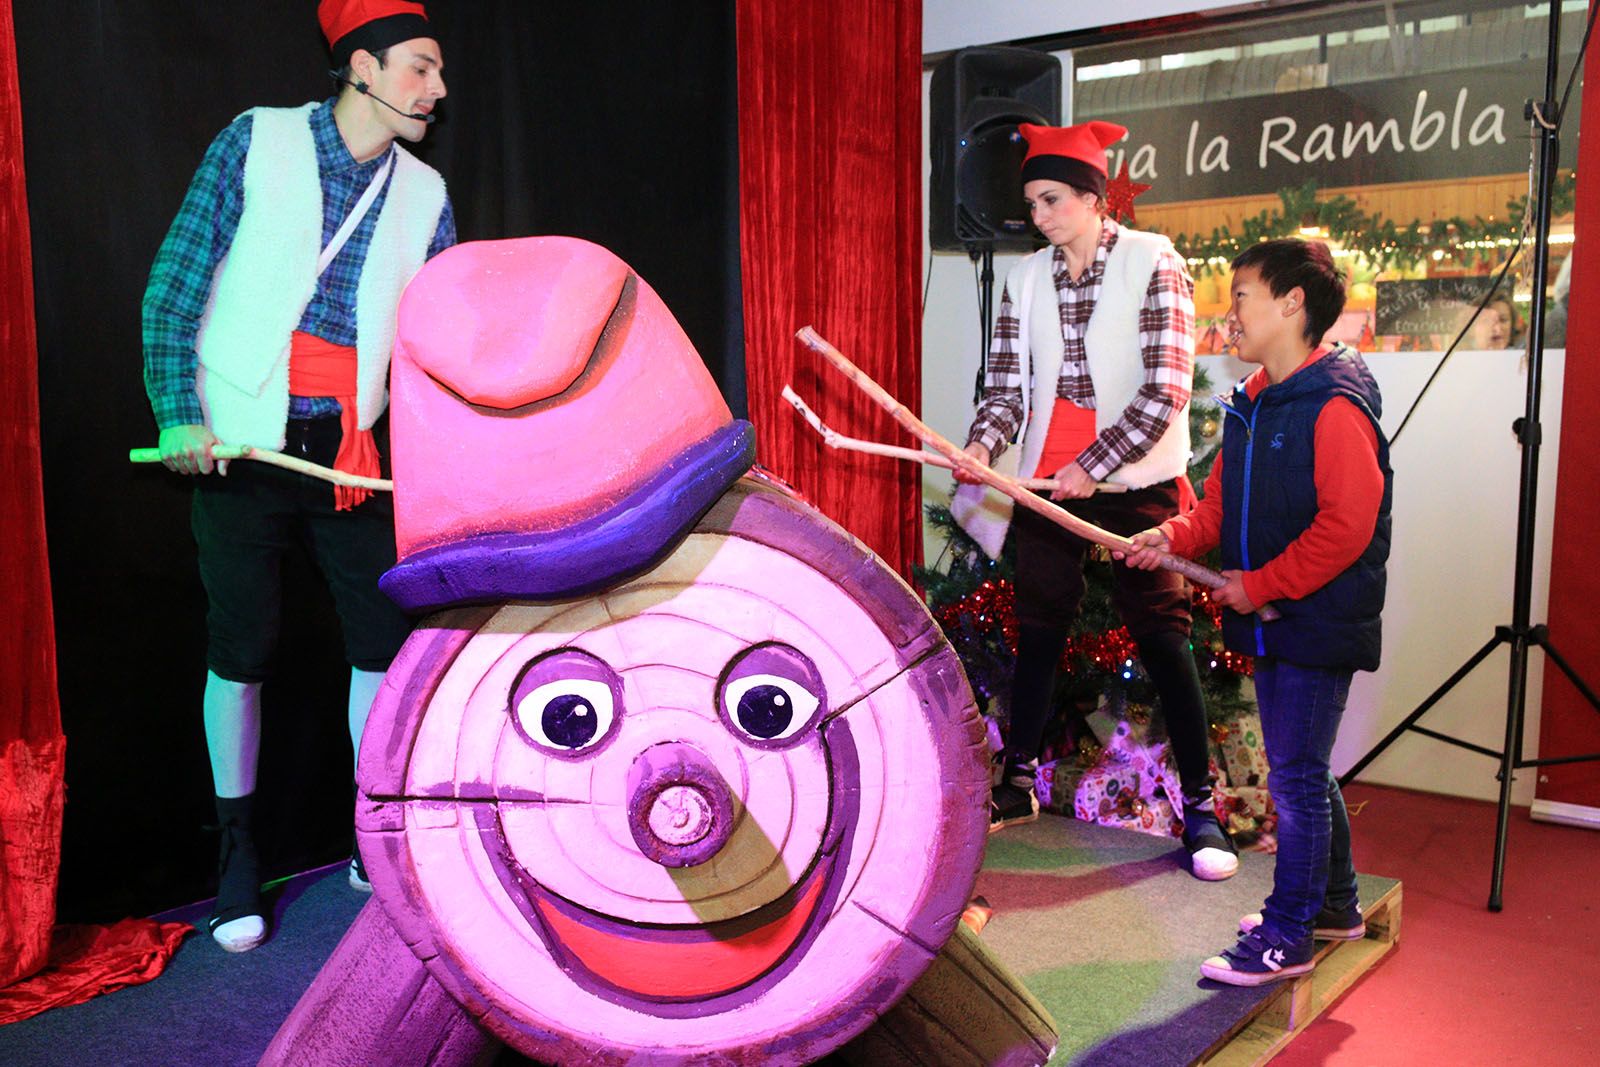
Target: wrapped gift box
{"points": [[1242, 748], [1057, 784], [1130, 785]]}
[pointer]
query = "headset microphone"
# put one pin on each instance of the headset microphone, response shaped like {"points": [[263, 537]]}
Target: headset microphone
{"points": [[361, 87]]}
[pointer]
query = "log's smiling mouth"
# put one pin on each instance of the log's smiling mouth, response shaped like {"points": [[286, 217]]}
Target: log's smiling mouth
{"points": [[677, 962], [688, 969]]}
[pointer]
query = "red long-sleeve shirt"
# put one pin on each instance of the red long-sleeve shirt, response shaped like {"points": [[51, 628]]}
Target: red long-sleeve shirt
{"points": [[1349, 487]]}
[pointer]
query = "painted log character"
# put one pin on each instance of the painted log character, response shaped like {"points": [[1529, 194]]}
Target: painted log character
{"points": [[676, 770]]}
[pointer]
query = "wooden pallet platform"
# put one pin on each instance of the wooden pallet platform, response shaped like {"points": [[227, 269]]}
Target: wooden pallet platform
{"points": [[1265, 1032]]}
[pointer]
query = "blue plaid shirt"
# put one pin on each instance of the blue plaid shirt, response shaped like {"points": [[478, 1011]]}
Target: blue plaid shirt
{"points": [[180, 280]]}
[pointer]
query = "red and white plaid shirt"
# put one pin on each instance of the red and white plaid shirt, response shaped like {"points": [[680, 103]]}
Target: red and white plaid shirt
{"points": [[1166, 344]]}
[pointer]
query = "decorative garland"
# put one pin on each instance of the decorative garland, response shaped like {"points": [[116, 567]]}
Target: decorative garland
{"points": [[993, 603], [1381, 241]]}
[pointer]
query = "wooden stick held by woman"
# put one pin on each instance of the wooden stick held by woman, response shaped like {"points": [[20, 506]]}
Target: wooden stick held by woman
{"points": [[834, 439], [1009, 486]]}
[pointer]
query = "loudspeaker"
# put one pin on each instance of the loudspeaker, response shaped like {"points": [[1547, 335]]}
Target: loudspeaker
{"points": [[977, 98]]}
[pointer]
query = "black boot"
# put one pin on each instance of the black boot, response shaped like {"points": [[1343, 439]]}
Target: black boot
{"points": [[1169, 662], [1033, 685], [238, 879], [1212, 853]]}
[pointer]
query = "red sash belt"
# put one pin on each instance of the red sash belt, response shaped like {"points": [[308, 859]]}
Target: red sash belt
{"points": [[1071, 431], [318, 367]]}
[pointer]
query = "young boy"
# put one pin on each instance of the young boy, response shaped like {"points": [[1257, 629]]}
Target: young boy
{"points": [[1299, 503]]}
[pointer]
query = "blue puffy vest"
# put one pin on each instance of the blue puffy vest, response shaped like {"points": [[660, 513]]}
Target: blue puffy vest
{"points": [[1269, 497]]}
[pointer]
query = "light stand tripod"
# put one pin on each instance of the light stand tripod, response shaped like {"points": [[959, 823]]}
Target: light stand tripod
{"points": [[1520, 635]]}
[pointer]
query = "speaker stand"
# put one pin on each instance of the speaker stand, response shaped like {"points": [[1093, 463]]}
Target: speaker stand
{"points": [[983, 256]]}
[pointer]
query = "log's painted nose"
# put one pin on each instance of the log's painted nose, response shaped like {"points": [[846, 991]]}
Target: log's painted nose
{"points": [[679, 808]]}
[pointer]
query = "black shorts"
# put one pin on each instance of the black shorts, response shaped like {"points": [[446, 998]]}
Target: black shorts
{"points": [[1050, 583], [244, 524]]}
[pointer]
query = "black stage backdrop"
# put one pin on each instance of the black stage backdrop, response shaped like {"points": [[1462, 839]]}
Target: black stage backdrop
{"points": [[609, 121]]}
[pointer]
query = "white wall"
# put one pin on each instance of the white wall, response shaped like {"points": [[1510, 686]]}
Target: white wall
{"points": [[950, 24], [1455, 502], [1450, 572]]}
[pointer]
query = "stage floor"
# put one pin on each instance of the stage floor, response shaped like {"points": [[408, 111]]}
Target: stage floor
{"points": [[1106, 927]]}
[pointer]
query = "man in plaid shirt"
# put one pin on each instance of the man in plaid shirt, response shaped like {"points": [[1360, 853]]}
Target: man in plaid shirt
{"points": [[268, 321], [1098, 329]]}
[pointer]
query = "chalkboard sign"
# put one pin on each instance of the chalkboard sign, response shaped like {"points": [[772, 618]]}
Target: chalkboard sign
{"points": [[1428, 305]]}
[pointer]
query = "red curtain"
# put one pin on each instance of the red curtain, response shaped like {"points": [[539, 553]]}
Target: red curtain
{"points": [[31, 744], [1568, 725], [830, 234]]}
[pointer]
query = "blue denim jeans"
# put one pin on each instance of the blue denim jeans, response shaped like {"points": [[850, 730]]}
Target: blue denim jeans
{"points": [[1300, 712]]}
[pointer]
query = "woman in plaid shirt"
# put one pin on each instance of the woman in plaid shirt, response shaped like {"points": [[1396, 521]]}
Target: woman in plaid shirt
{"points": [[1108, 378], [268, 322]]}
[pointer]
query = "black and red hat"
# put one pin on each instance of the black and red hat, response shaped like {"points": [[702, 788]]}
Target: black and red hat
{"points": [[370, 24], [1075, 155]]}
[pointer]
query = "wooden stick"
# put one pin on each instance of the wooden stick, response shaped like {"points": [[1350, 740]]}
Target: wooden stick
{"points": [[1195, 572], [834, 439], [276, 459]]}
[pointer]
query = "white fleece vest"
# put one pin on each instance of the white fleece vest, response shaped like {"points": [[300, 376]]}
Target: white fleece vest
{"points": [[269, 275], [1111, 343]]}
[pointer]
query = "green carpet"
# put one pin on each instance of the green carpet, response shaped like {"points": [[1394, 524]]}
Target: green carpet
{"points": [[1108, 928]]}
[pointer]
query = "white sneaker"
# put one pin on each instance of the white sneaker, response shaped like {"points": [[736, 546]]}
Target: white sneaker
{"points": [[1258, 959], [1346, 925], [1213, 864], [240, 935]]}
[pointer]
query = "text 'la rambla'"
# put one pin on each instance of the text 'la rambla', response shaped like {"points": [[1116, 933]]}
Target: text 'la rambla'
{"points": [[1280, 138]]}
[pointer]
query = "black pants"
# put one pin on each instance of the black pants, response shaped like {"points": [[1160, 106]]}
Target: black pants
{"points": [[1154, 605], [1050, 561], [244, 524]]}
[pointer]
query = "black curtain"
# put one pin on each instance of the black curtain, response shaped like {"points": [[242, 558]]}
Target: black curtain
{"points": [[609, 121]]}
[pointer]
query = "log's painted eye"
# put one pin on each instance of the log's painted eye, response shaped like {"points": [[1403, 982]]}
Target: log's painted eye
{"points": [[769, 695], [566, 702], [769, 706]]}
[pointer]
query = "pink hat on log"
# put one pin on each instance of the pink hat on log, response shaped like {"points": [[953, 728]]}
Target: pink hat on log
{"points": [[553, 429]]}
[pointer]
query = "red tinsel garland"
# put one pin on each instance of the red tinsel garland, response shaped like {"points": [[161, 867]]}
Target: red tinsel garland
{"points": [[993, 603]]}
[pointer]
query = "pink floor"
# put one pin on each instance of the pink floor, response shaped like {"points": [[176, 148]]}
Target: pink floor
{"points": [[1468, 986]]}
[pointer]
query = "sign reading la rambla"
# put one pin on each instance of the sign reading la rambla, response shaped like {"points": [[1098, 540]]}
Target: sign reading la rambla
{"points": [[1459, 124]]}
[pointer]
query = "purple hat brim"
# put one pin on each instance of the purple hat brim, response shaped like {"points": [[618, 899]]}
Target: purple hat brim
{"points": [[575, 560]]}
